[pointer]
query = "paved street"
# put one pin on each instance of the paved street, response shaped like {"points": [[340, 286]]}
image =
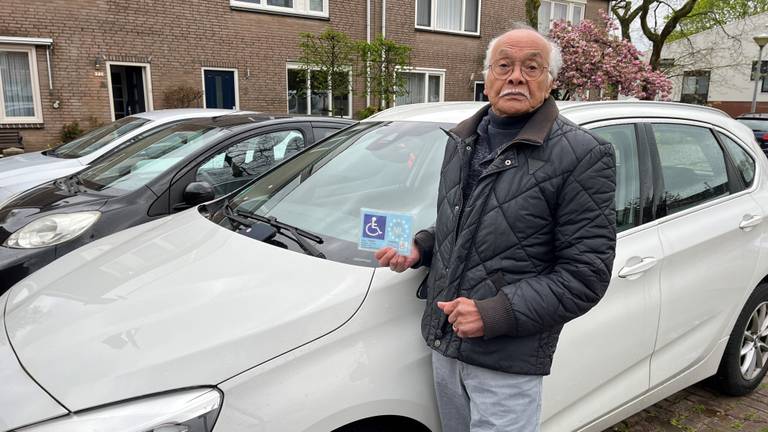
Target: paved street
{"points": [[701, 408]]}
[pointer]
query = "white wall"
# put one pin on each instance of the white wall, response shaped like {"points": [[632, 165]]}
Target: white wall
{"points": [[727, 53]]}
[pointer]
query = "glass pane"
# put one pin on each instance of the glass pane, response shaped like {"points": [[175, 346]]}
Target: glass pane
{"points": [[448, 15], [248, 159], [341, 94], [281, 3], [144, 160], [627, 199], [578, 10], [392, 166], [316, 5], [297, 91], [414, 87], [692, 164], [559, 12], [545, 14], [741, 158], [319, 100], [470, 17], [434, 88], [17, 84], [97, 138], [423, 12]]}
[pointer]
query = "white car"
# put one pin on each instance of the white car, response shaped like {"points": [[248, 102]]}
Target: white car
{"points": [[226, 318], [25, 171]]}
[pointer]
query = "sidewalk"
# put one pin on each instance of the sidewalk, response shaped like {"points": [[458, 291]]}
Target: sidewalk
{"points": [[701, 408]]}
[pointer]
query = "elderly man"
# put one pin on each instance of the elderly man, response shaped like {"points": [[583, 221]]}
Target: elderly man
{"points": [[524, 242]]}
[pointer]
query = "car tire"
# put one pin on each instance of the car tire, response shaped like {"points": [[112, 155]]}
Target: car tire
{"points": [[747, 347]]}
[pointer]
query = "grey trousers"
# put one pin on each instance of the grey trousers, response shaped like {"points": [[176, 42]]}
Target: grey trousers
{"points": [[475, 399]]}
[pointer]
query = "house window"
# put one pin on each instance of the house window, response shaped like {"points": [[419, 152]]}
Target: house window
{"points": [[479, 92], [19, 90], [307, 95], [300, 7], [551, 11], [422, 86], [457, 16], [695, 87]]}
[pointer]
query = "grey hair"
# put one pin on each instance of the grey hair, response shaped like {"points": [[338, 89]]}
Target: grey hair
{"points": [[555, 55]]}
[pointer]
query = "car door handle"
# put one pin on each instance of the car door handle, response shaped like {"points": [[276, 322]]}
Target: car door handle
{"points": [[638, 269], [750, 221]]}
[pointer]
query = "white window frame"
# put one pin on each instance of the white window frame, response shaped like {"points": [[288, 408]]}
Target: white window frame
{"points": [[297, 66], [146, 77], [237, 83], [433, 18], [427, 72], [38, 106], [300, 7], [570, 4]]}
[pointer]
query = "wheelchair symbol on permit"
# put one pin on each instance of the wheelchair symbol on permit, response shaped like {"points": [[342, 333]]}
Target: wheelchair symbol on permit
{"points": [[380, 229]]}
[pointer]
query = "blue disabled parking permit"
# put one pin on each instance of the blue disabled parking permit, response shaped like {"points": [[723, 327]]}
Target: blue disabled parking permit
{"points": [[380, 229]]}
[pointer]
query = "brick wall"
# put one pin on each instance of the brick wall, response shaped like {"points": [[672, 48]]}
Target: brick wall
{"points": [[176, 38], [592, 12]]}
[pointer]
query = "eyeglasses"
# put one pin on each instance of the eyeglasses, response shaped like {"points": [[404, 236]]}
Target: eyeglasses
{"points": [[530, 69]]}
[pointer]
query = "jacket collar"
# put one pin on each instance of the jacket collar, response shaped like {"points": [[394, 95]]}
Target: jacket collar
{"points": [[534, 132]]}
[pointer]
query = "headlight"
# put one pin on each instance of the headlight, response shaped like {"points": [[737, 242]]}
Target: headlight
{"points": [[183, 411], [51, 230]]}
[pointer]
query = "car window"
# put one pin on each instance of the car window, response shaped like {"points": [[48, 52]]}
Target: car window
{"points": [[392, 166], [624, 142], [756, 124], [322, 132], [245, 160], [744, 163], [692, 165], [97, 138], [136, 165]]}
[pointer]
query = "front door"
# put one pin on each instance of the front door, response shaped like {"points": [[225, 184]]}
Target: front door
{"points": [[128, 91], [219, 89]]}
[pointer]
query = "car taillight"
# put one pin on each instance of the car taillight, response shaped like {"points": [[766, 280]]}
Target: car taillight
{"points": [[764, 137]]}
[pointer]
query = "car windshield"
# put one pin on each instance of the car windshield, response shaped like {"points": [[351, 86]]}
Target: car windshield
{"points": [[756, 125], [389, 166], [97, 138], [141, 162]]}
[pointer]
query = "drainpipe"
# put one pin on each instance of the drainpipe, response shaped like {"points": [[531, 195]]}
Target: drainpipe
{"points": [[368, 39], [384, 18]]}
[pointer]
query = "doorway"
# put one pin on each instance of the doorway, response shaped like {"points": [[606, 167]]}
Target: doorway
{"points": [[220, 87], [129, 90]]}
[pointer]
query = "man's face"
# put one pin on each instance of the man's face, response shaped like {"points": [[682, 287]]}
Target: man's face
{"points": [[517, 93]]}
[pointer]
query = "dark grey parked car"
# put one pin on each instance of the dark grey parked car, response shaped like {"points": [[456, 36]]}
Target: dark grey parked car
{"points": [[179, 166]]}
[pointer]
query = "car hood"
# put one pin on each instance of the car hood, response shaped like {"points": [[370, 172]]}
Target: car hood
{"points": [[19, 165], [177, 302], [17, 177], [22, 402]]}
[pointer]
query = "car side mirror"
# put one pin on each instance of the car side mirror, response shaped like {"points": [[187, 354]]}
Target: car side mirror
{"points": [[198, 192]]}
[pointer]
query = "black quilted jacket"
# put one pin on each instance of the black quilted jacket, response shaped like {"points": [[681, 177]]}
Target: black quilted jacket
{"points": [[533, 245]]}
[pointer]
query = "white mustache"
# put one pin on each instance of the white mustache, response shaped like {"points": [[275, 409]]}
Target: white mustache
{"points": [[515, 92]]}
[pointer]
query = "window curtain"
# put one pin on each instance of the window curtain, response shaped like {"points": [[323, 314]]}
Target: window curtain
{"points": [[424, 12], [316, 5], [470, 18], [577, 11], [282, 3], [17, 84], [545, 14], [434, 88], [560, 12], [414, 88], [448, 14]]}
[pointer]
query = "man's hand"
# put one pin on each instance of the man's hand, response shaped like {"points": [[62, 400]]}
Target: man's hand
{"points": [[388, 257], [463, 314]]}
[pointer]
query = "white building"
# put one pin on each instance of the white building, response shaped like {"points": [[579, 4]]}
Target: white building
{"points": [[713, 67]]}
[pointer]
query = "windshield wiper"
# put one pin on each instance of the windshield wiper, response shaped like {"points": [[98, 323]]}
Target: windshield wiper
{"points": [[299, 235]]}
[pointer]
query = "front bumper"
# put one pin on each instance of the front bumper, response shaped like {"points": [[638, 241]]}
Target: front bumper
{"points": [[22, 401]]}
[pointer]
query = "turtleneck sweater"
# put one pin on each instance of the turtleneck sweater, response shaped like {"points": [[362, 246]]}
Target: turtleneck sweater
{"points": [[492, 133]]}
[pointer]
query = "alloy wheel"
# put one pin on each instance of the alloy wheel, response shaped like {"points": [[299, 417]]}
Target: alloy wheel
{"points": [[754, 343]]}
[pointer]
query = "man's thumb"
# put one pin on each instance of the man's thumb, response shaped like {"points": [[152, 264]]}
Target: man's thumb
{"points": [[447, 307]]}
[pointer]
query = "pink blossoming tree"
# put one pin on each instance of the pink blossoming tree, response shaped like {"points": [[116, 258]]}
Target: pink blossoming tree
{"points": [[595, 59]]}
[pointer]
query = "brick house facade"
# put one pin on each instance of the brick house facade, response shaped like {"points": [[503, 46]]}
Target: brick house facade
{"points": [[83, 42]]}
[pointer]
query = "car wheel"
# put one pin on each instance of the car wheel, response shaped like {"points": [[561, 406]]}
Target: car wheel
{"points": [[744, 362]]}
